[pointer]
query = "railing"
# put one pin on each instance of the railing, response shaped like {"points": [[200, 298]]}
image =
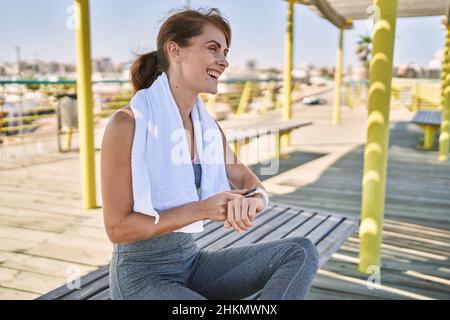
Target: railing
{"points": [[30, 113], [37, 116], [413, 94], [355, 94], [416, 94]]}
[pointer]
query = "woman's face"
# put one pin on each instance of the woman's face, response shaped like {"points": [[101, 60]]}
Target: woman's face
{"points": [[202, 63]]}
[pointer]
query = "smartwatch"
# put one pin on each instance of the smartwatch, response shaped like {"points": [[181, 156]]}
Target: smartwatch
{"points": [[260, 191]]}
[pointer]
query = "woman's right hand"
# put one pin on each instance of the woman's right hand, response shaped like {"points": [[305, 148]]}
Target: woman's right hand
{"points": [[216, 207]]}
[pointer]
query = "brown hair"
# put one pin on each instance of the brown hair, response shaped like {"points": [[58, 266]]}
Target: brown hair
{"points": [[180, 28]]}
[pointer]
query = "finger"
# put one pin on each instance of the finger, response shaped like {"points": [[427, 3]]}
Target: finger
{"points": [[231, 216], [237, 214], [231, 196], [252, 210], [244, 213], [226, 224]]}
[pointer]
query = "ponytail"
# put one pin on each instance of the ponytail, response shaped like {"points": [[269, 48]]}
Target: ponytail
{"points": [[144, 70]]}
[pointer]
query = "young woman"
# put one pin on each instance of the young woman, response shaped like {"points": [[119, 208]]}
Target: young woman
{"points": [[155, 255]]}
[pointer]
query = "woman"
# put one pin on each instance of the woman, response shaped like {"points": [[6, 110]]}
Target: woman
{"points": [[155, 255]]}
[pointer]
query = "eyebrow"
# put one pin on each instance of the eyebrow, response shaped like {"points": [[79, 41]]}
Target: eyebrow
{"points": [[218, 44]]}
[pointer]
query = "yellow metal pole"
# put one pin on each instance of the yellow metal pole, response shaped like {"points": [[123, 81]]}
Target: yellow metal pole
{"points": [[69, 139], [245, 96], [444, 66], [277, 151], [338, 80], [236, 148], [428, 137], [444, 135], [375, 155], [348, 94], [287, 82], [85, 104], [268, 97], [357, 92], [416, 96]]}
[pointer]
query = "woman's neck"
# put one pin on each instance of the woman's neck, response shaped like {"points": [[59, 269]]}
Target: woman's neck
{"points": [[184, 98]]}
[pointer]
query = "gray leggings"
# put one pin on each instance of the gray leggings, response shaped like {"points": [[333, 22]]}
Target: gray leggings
{"points": [[172, 267]]}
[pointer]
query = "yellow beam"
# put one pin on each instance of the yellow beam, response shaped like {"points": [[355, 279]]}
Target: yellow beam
{"points": [[287, 82], [444, 135], [85, 104], [428, 137], [416, 97], [349, 95], [269, 97], [338, 80], [245, 97], [376, 149], [286, 113]]}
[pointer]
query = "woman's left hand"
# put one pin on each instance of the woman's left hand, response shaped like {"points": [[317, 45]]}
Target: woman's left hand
{"points": [[242, 212]]}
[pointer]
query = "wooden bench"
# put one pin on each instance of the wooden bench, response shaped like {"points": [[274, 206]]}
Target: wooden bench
{"points": [[280, 128], [429, 121], [328, 231]]}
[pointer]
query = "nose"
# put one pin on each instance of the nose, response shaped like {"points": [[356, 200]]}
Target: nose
{"points": [[223, 62]]}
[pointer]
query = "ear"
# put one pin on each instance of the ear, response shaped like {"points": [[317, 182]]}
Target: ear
{"points": [[174, 51]]}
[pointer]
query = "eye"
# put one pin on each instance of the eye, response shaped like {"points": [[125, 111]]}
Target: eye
{"points": [[213, 48]]}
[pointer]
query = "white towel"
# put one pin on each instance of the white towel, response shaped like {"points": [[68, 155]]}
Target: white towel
{"points": [[161, 167]]}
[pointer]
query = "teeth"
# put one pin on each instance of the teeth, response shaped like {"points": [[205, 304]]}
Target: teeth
{"points": [[213, 73]]}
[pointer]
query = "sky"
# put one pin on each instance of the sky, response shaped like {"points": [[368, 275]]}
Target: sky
{"points": [[120, 29]]}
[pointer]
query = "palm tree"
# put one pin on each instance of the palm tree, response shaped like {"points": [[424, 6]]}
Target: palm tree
{"points": [[363, 51]]}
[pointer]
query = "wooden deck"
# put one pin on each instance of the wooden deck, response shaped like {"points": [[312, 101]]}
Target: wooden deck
{"points": [[45, 237]]}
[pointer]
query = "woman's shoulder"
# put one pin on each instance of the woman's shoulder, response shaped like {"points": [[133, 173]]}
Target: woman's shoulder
{"points": [[118, 137], [122, 118], [121, 125]]}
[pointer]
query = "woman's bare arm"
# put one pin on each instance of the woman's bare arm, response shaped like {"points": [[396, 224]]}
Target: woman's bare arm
{"points": [[121, 223]]}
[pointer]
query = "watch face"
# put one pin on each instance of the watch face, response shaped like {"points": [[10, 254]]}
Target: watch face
{"points": [[250, 192], [249, 195]]}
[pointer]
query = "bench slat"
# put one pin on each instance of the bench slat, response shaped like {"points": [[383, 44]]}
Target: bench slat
{"points": [[89, 290], [330, 244], [102, 295], [299, 219], [324, 228], [221, 232], [232, 236], [214, 226], [427, 117], [308, 226], [60, 292], [239, 134], [267, 228]]}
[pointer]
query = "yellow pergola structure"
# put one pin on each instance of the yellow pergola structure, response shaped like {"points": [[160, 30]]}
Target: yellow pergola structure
{"points": [[384, 13], [340, 13]]}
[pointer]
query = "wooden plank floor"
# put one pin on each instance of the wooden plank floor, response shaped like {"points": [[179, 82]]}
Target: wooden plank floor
{"points": [[46, 238]]}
